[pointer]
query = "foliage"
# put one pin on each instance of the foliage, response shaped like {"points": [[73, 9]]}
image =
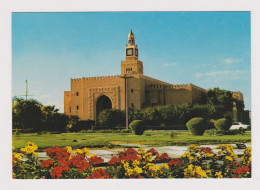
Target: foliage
{"points": [[72, 124], [27, 114], [229, 132], [134, 114], [32, 116], [197, 126], [84, 125], [64, 163], [137, 126], [151, 115], [109, 119], [223, 124], [52, 120]]}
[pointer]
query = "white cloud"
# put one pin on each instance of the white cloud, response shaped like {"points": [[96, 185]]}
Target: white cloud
{"points": [[231, 60], [170, 64], [45, 96], [226, 74]]}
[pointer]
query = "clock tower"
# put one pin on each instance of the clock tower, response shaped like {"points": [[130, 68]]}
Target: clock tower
{"points": [[131, 65]]}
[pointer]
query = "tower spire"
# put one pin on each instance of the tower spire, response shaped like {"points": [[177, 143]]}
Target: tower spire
{"points": [[131, 38]]}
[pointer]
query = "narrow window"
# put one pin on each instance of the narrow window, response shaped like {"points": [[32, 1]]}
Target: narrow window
{"points": [[77, 107], [132, 105], [77, 93], [132, 90], [70, 109]]}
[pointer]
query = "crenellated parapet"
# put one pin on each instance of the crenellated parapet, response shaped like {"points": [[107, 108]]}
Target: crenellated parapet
{"points": [[95, 78], [178, 86]]}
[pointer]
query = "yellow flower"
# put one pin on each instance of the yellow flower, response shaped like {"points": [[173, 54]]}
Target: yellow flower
{"points": [[141, 150], [218, 175], [92, 155], [208, 172], [13, 148], [17, 156], [78, 151], [246, 158], [68, 149], [186, 155], [30, 143], [166, 166], [148, 156], [194, 172], [35, 153], [129, 172], [228, 158], [135, 163], [138, 170], [193, 148], [86, 151]]}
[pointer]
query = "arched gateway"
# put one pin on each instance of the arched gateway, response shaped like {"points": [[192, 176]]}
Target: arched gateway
{"points": [[103, 103]]}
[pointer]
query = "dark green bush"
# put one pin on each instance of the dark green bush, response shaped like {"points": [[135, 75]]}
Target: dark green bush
{"points": [[85, 124], [72, 124], [137, 126], [213, 132], [109, 119], [197, 126], [151, 115], [223, 124], [229, 132]]}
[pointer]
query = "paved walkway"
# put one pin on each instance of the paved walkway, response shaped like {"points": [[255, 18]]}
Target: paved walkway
{"points": [[172, 151]]}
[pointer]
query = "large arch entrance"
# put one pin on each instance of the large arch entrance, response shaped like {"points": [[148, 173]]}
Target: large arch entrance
{"points": [[103, 103]]}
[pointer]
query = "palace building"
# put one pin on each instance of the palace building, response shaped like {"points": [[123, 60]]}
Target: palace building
{"points": [[88, 96]]}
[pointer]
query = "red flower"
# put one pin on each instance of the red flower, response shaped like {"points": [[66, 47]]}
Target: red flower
{"points": [[57, 153], [99, 174], [235, 163], [80, 162], [174, 162], [56, 172], [163, 157], [154, 152], [96, 160], [130, 154], [46, 163], [206, 150], [241, 170], [114, 161]]}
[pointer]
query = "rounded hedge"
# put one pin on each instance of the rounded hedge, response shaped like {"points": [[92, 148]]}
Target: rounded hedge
{"points": [[197, 126], [223, 124], [137, 126]]}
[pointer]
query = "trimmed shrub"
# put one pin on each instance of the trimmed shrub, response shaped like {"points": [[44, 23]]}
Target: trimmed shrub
{"points": [[197, 126], [137, 126], [223, 124]]}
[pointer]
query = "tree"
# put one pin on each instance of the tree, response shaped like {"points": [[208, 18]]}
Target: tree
{"points": [[52, 120], [27, 114]]}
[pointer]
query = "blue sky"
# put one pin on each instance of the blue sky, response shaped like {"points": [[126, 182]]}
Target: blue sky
{"points": [[208, 49]]}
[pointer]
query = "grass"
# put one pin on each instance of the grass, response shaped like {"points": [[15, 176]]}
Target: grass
{"points": [[110, 140]]}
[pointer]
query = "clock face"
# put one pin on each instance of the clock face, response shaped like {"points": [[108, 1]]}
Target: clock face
{"points": [[136, 52], [129, 51]]}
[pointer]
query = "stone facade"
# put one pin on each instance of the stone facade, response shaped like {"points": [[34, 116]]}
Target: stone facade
{"points": [[90, 95]]}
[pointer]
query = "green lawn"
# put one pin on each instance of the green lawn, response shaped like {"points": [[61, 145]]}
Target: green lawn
{"points": [[109, 140]]}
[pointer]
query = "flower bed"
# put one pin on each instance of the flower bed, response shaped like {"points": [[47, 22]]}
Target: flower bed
{"points": [[197, 162]]}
